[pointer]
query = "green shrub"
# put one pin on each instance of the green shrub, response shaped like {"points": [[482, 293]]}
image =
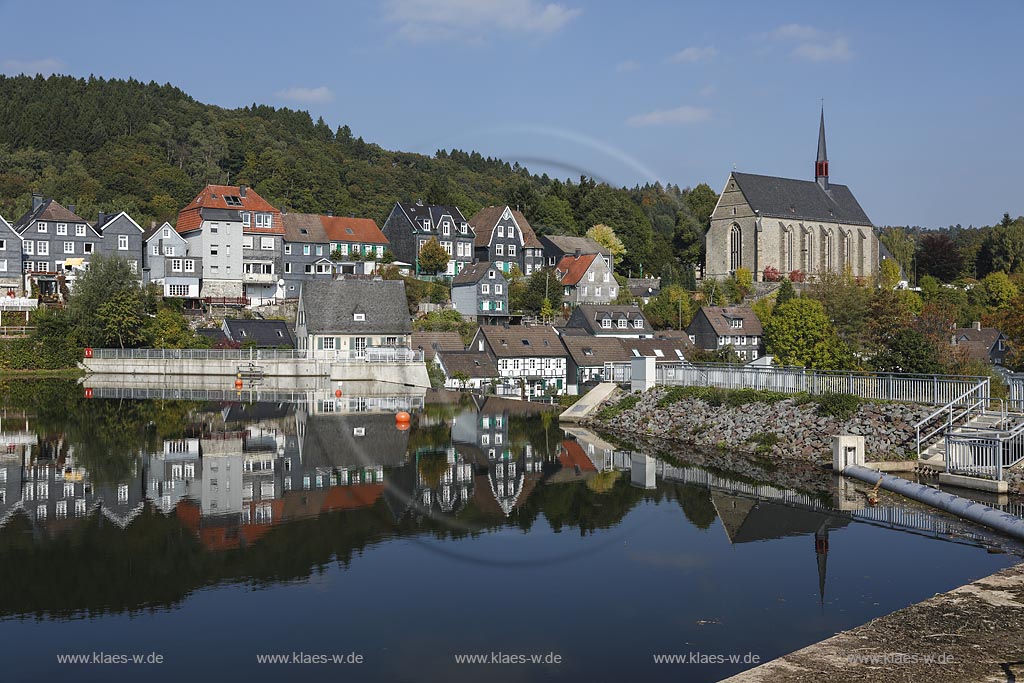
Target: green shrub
{"points": [[842, 406], [764, 441], [615, 409]]}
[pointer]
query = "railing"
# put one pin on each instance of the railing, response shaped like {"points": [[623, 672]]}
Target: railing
{"points": [[226, 300], [923, 389], [980, 453], [958, 411], [200, 354], [9, 331], [18, 304]]}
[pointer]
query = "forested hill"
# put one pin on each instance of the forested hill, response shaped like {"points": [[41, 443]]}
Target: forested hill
{"points": [[147, 148]]}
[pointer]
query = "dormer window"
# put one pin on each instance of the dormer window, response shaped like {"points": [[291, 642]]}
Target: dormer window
{"points": [[638, 323], [606, 323], [623, 323], [736, 323], [359, 317]]}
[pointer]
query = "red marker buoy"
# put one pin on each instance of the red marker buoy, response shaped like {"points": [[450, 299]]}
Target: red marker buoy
{"points": [[88, 392], [88, 352], [238, 384], [337, 393], [402, 420]]}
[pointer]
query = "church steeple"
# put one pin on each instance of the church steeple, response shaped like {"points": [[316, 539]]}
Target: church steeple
{"points": [[821, 164]]}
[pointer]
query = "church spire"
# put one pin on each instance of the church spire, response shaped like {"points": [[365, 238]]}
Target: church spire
{"points": [[821, 164]]}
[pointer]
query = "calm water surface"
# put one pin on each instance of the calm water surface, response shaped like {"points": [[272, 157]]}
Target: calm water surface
{"points": [[213, 533]]}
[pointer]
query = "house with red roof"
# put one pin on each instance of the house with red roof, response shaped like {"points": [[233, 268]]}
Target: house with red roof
{"points": [[586, 279], [239, 236], [356, 243]]}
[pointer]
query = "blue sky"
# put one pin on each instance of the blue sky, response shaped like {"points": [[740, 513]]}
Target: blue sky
{"points": [[923, 101]]}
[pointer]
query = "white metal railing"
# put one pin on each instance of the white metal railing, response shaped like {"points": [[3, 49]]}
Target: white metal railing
{"points": [[198, 354], [924, 389], [978, 452], [958, 411]]}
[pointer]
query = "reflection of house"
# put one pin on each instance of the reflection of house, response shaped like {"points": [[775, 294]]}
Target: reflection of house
{"points": [[574, 464], [174, 473], [986, 344]]}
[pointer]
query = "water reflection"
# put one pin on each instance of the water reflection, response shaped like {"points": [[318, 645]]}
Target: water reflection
{"points": [[150, 500]]}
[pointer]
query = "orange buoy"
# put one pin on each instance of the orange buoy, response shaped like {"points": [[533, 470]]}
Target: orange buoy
{"points": [[337, 393], [402, 419], [88, 392], [402, 426], [238, 384]]}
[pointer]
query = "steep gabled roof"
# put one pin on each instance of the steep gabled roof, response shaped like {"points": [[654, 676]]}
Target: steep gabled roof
{"points": [[573, 268], [49, 211], [589, 317], [429, 342], [349, 229], [264, 333], [330, 306], [476, 364], [417, 212], [719, 317], [518, 341], [475, 272], [978, 343], [486, 220], [800, 199], [215, 197], [303, 228], [587, 351], [567, 244]]}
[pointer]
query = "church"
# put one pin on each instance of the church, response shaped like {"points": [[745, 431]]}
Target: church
{"points": [[763, 222]]}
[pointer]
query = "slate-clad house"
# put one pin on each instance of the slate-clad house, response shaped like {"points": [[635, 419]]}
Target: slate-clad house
{"points": [[350, 318], [307, 252], [357, 243], [533, 354], [716, 327], [168, 263], [10, 260], [587, 356], [586, 279], [55, 242], [786, 224], [480, 291], [558, 246], [122, 237], [466, 369], [411, 225], [504, 237], [986, 344], [610, 321]]}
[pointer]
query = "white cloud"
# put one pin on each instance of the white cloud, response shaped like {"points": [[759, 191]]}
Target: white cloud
{"points": [[795, 32], [31, 67], [707, 91], [416, 17], [306, 95], [683, 115], [693, 54], [627, 66], [837, 50]]}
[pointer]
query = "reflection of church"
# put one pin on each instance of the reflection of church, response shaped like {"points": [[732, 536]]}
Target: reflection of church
{"points": [[747, 520]]}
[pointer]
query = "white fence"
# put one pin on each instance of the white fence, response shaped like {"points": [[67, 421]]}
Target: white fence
{"points": [[374, 354], [984, 453], [922, 389]]}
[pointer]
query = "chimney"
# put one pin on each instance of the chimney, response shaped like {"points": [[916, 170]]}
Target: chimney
{"points": [[241, 191], [152, 225], [579, 252], [99, 220], [37, 200], [330, 214], [977, 325], [71, 208]]}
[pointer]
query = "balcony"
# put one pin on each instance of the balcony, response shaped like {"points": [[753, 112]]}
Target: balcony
{"points": [[259, 278]]}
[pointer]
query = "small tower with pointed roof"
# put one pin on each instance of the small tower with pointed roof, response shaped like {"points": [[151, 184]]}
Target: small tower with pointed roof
{"points": [[821, 164]]}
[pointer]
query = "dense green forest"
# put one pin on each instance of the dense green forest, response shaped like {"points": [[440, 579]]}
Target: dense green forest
{"points": [[147, 149]]}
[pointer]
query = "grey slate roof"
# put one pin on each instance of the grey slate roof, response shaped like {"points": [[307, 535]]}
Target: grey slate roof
{"points": [[589, 317], [587, 351], [265, 333], [303, 227], [475, 272], [330, 441], [473, 363], [331, 304], [417, 212], [719, 317], [800, 199], [567, 244]]}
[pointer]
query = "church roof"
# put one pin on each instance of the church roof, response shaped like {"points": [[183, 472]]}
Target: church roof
{"points": [[802, 200]]}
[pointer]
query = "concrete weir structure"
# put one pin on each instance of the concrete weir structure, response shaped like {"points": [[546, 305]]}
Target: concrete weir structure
{"points": [[403, 369]]}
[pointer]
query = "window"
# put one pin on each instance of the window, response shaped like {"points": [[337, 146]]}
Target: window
{"points": [[41, 227], [80, 230], [43, 266], [288, 249], [177, 290], [447, 247], [62, 228], [190, 266], [263, 220], [735, 248], [597, 291], [267, 243], [308, 269], [213, 229], [498, 289], [485, 288], [29, 247], [623, 323], [491, 274], [328, 343], [287, 268], [122, 242], [511, 250], [232, 200], [590, 277], [214, 249], [499, 249], [246, 219], [606, 323], [246, 241], [87, 248], [446, 228], [498, 305], [176, 265], [359, 317], [319, 250], [156, 250], [42, 248], [305, 250], [169, 250], [638, 323], [69, 247], [501, 231], [3, 267]]}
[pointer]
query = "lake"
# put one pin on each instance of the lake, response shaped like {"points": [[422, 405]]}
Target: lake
{"points": [[210, 537]]}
